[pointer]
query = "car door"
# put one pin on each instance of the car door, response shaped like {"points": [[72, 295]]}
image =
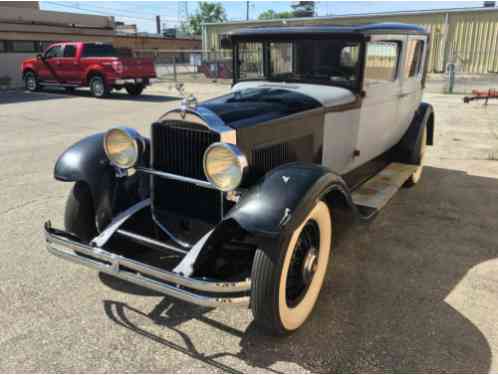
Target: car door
{"points": [[69, 65], [50, 64], [379, 116], [411, 78]]}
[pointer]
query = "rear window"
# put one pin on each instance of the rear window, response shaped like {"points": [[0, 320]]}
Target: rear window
{"points": [[98, 50]]}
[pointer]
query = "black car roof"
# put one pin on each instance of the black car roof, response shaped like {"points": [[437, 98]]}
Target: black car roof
{"points": [[366, 29]]}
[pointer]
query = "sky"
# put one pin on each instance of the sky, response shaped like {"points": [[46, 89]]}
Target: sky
{"points": [[143, 13]]}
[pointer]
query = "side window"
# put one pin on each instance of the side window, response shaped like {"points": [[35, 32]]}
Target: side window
{"points": [[349, 56], [69, 51], [54, 51], [413, 61], [281, 57], [381, 62]]}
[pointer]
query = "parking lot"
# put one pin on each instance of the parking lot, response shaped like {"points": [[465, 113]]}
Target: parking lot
{"points": [[416, 290]]}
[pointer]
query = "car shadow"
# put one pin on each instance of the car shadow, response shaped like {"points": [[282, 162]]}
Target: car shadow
{"points": [[384, 305], [21, 96]]}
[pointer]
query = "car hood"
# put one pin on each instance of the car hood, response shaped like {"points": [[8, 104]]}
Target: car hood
{"points": [[252, 103]]}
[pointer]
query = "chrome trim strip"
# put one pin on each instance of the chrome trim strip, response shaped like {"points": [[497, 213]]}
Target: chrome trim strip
{"points": [[146, 275], [205, 117], [150, 241], [119, 220], [204, 184]]}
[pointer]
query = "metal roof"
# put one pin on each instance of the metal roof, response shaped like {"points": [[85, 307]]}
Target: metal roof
{"points": [[359, 15], [330, 29]]}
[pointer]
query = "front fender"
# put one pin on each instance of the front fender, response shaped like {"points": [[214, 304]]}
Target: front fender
{"points": [[281, 201], [87, 162]]}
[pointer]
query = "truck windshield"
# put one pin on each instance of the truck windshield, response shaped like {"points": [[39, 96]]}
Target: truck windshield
{"points": [[98, 50], [321, 61]]}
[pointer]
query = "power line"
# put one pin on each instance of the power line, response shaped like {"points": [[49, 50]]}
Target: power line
{"points": [[107, 12]]}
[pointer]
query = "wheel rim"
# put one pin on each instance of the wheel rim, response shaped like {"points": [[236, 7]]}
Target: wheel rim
{"points": [[98, 87], [418, 173], [314, 235], [303, 263], [30, 82]]}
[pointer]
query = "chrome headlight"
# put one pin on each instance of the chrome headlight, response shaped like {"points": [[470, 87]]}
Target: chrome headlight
{"points": [[224, 166], [121, 147]]}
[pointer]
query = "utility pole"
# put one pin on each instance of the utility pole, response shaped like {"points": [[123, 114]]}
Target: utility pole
{"points": [[247, 10], [158, 24]]}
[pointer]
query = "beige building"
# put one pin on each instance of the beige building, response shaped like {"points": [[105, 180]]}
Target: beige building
{"points": [[468, 37]]}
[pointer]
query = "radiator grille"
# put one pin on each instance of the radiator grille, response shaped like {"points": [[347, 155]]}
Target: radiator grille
{"points": [[178, 148]]}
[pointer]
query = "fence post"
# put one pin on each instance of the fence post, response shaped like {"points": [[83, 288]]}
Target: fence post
{"points": [[451, 77], [174, 68]]}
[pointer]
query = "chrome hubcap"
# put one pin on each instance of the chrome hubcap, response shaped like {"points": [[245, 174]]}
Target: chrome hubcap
{"points": [[98, 87], [30, 82], [309, 265]]}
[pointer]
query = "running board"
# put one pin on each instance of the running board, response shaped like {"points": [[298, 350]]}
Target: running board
{"points": [[374, 194]]}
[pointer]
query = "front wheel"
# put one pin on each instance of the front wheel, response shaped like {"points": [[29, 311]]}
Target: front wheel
{"points": [[285, 287], [79, 218], [134, 90]]}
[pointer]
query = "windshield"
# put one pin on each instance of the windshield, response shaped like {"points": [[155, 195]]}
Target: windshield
{"points": [[321, 61]]}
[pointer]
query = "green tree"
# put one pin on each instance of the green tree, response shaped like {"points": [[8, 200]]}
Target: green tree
{"points": [[207, 12], [270, 14], [303, 8]]}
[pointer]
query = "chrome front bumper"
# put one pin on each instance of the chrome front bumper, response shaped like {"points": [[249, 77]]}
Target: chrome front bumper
{"points": [[197, 291]]}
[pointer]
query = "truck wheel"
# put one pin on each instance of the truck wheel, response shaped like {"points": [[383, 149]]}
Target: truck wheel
{"points": [[134, 90], [418, 158], [79, 217], [98, 87], [285, 287], [30, 81]]}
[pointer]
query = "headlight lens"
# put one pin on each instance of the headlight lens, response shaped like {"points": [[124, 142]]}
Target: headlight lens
{"points": [[121, 147], [224, 166]]}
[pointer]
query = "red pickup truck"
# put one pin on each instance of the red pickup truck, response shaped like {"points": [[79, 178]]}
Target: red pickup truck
{"points": [[79, 64]]}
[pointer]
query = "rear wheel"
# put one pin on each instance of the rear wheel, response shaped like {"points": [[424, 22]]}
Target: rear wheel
{"points": [[418, 158], [31, 81], [286, 287], [134, 90], [79, 217], [98, 87]]}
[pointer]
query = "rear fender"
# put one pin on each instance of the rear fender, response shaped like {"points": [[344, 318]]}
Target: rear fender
{"points": [[424, 116]]}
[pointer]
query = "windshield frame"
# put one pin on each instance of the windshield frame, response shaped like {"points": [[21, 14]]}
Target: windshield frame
{"points": [[356, 87]]}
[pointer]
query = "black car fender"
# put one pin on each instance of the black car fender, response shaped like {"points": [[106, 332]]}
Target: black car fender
{"points": [[408, 145], [86, 161], [286, 194]]}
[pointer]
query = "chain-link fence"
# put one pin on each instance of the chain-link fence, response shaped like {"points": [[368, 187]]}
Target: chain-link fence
{"points": [[189, 65]]}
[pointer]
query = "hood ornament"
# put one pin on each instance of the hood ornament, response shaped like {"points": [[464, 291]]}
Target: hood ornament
{"points": [[189, 101]]}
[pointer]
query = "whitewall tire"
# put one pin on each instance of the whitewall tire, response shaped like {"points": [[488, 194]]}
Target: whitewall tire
{"points": [[285, 287]]}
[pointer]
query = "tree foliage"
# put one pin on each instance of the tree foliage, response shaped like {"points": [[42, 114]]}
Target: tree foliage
{"points": [[299, 9], [303, 8], [270, 14], [207, 12]]}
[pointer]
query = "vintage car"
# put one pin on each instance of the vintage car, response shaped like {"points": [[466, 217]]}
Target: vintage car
{"points": [[232, 201]]}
